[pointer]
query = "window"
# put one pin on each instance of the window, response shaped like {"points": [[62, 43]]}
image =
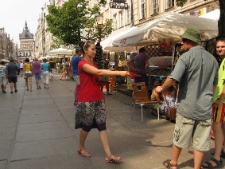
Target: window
{"points": [[169, 4], [128, 16], [155, 6], [115, 22], [142, 9], [121, 18]]}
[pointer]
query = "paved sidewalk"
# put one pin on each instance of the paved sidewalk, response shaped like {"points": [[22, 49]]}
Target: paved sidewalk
{"points": [[37, 132]]}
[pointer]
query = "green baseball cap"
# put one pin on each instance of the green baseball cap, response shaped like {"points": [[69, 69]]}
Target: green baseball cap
{"points": [[192, 34]]}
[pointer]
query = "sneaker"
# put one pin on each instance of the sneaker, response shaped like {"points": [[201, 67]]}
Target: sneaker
{"points": [[15, 91], [109, 93], [3, 91]]}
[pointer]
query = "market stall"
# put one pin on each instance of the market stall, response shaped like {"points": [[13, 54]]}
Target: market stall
{"points": [[160, 37]]}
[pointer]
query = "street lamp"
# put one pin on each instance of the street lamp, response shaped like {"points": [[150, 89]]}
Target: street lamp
{"points": [[98, 56], [99, 22]]}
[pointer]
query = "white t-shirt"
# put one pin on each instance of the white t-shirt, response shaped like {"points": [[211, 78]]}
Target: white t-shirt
{"points": [[21, 65]]}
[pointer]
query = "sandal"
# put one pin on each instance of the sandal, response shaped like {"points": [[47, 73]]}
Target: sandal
{"points": [[84, 153], [112, 159], [219, 164], [167, 164], [222, 155]]}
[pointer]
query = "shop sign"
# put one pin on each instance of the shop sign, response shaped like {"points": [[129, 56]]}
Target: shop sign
{"points": [[198, 12]]}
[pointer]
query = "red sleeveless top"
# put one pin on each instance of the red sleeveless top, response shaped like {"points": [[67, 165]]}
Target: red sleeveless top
{"points": [[89, 89]]}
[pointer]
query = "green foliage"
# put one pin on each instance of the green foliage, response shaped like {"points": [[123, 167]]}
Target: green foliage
{"points": [[180, 2], [74, 22]]}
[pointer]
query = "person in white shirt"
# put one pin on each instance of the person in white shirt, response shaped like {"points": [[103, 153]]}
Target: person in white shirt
{"points": [[3, 79], [21, 69]]}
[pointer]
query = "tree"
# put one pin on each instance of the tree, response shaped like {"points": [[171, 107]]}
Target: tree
{"points": [[74, 22], [221, 22]]}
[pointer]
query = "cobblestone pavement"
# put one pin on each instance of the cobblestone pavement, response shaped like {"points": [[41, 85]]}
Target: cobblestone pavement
{"points": [[37, 132]]}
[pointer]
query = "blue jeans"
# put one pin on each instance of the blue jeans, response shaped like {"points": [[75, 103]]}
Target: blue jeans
{"points": [[141, 78]]}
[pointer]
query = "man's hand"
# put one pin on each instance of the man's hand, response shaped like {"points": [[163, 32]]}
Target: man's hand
{"points": [[158, 89]]}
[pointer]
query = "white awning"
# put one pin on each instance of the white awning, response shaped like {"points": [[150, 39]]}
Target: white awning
{"points": [[215, 14], [108, 42], [171, 25]]}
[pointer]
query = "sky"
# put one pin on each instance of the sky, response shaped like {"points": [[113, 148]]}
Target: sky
{"points": [[14, 13]]}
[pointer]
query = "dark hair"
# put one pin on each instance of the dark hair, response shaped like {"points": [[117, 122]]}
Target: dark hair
{"points": [[141, 50], [78, 50], [156, 83], [44, 60], [220, 39], [11, 60], [2, 62], [85, 45], [27, 60]]}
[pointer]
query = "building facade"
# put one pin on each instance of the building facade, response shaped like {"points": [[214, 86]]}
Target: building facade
{"points": [[26, 43], [139, 12], [6, 45], [142, 11]]}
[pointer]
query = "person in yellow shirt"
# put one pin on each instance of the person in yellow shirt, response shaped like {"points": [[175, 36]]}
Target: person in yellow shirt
{"points": [[28, 69]]}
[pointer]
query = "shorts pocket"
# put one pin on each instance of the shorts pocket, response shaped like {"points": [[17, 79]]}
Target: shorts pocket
{"points": [[176, 133], [206, 122], [188, 121]]}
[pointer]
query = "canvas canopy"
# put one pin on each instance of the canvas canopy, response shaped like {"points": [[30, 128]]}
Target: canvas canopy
{"points": [[107, 43], [171, 25], [61, 51]]}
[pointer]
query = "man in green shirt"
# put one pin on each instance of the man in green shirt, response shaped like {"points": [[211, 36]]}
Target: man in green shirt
{"points": [[196, 71], [218, 125]]}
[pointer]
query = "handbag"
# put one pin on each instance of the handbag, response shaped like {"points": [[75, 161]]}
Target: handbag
{"points": [[171, 112]]}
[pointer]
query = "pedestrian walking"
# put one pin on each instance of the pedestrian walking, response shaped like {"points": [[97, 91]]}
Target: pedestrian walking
{"points": [[196, 72], [218, 125], [18, 67], [28, 69], [3, 79], [45, 73], [90, 111], [11, 75], [21, 68], [37, 72], [52, 66], [75, 61]]}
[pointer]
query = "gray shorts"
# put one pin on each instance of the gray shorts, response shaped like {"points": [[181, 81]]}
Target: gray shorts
{"points": [[195, 131], [76, 79]]}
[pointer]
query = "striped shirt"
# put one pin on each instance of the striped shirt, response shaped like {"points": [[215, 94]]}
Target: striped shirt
{"points": [[2, 70]]}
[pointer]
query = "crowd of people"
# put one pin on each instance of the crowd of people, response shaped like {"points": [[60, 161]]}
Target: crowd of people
{"points": [[9, 73]]}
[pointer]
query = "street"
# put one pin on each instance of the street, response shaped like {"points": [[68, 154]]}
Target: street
{"points": [[37, 132]]}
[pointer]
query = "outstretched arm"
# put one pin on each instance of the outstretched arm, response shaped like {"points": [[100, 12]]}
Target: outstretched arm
{"points": [[93, 70]]}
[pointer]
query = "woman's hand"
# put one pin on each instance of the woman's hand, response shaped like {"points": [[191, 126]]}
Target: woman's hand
{"points": [[123, 73]]}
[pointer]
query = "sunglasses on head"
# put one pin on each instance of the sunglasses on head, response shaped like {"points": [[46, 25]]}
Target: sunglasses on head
{"points": [[86, 43]]}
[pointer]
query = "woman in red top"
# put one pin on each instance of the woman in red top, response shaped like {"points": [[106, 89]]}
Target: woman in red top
{"points": [[90, 111]]}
